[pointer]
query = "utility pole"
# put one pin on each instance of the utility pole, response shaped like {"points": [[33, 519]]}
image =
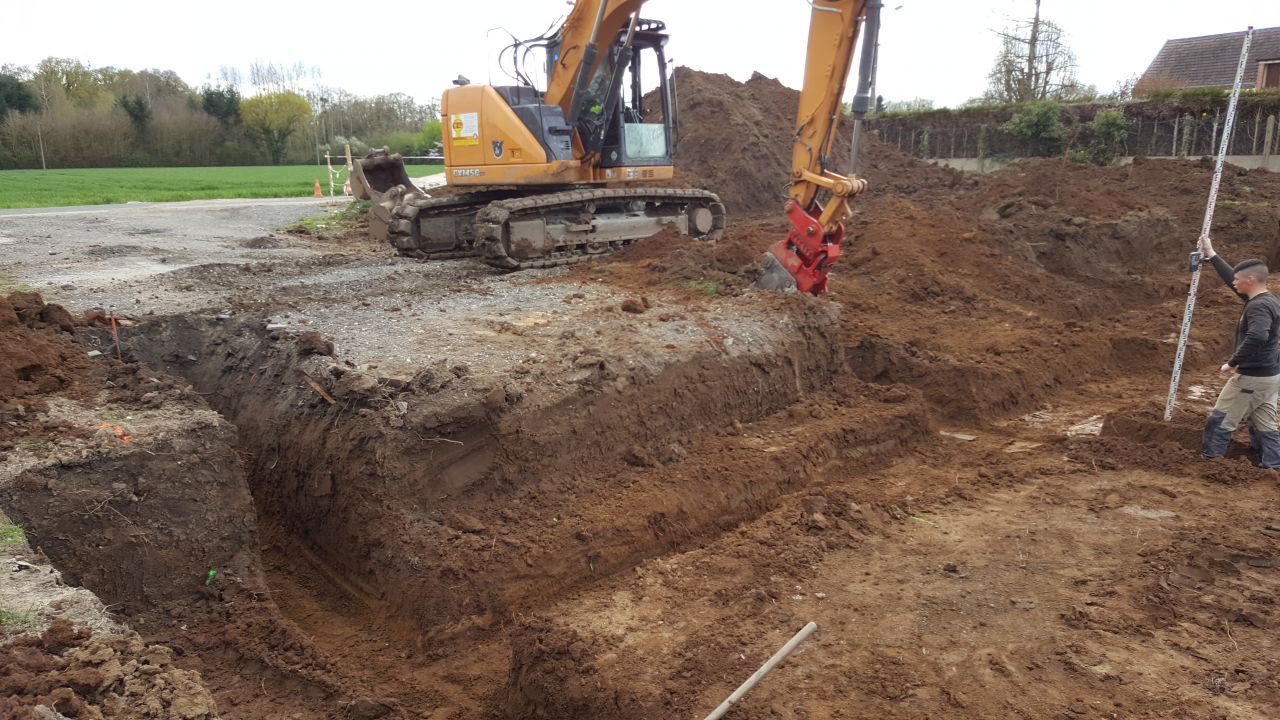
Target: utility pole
{"points": [[40, 139], [44, 107], [1031, 83]]}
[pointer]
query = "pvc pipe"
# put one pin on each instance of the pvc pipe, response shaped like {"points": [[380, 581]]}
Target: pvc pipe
{"points": [[758, 675]]}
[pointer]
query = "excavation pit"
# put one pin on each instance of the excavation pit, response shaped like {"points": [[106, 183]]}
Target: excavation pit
{"points": [[312, 473], [449, 495]]}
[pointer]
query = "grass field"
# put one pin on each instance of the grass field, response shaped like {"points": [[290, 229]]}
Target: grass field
{"points": [[101, 186]]}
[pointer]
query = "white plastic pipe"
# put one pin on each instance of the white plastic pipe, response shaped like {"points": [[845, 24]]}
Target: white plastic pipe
{"points": [[758, 675]]}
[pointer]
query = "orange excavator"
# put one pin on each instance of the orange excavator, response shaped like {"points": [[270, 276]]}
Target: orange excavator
{"points": [[545, 178]]}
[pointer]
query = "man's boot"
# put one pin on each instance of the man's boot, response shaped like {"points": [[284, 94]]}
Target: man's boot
{"points": [[1216, 439], [1269, 441], [1255, 443]]}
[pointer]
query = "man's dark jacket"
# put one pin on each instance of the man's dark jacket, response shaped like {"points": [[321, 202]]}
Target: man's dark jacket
{"points": [[1257, 333]]}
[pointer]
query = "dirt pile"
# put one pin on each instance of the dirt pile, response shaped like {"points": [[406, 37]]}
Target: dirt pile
{"points": [[668, 258], [738, 137], [78, 674], [991, 293], [37, 355], [469, 544], [44, 354], [1039, 276]]}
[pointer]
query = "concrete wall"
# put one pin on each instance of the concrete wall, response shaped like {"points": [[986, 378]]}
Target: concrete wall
{"points": [[986, 165]]}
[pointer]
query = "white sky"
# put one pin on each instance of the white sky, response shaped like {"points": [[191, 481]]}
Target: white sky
{"points": [[936, 49]]}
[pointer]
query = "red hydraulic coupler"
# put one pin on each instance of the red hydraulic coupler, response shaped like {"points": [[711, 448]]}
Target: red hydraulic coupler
{"points": [[806, 253]]}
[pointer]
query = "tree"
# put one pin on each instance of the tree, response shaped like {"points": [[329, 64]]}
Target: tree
{"points": [[15, 96], [222, 102], [76, 81], [1108, 132], [1123, 90], [138, 110], [1040, 125], [432, 134], [1034, 63], [918, 104], [274, 118], [271, 78]]}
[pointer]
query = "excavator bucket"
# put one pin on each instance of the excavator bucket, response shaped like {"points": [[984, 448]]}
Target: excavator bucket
{"points": [[379, 172], [774, 276]]}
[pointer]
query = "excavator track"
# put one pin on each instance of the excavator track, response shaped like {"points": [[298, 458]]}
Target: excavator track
{"points": [[562, 228], [425, 227]]}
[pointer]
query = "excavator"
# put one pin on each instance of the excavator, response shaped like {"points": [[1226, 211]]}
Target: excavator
{"points": [[547, 178]]}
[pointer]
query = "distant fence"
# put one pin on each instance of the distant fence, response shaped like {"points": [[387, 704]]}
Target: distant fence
{"points": [[1157, 129]]}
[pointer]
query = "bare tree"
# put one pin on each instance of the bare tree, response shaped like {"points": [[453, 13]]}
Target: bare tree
{"points": [[229, 76], [1034, 63], [44, 85], [1124, 90], [267, 77]]}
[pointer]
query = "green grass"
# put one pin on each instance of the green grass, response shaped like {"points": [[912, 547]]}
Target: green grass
{"points": [[319, 224], [706, 287], [11, 536], [9, 285], [14, 621], [101, 186]]}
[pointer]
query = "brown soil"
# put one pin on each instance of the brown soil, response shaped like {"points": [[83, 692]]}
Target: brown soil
{"points": [[36, 356], [80, 675], [610, 539], [735, 138]]}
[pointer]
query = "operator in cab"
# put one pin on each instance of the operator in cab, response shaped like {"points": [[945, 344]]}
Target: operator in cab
{"points": [[1253, 370]]}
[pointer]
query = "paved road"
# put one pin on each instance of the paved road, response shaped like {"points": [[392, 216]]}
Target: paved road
{"points": [[186, 206], [94, 255], [215, 257]]}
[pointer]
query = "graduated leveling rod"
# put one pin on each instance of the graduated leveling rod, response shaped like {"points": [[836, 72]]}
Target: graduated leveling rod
{"points": [[1204, 231]]}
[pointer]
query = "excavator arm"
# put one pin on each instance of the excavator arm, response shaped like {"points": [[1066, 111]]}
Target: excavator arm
{"points": [[803, 259]]}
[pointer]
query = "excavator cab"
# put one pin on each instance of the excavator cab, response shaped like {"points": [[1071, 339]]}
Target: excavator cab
{"points": [[512, 135], [613, 121]]}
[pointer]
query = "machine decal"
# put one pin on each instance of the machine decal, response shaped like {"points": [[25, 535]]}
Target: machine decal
{"points": [[464, 129], [497, 148], [467, 172]]}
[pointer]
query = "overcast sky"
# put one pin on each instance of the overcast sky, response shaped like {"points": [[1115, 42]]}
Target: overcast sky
{"points": [[935, 49]]}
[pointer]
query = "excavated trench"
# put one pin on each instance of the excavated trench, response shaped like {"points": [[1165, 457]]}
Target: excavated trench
{"points": [[447, 503], [441, 503]]}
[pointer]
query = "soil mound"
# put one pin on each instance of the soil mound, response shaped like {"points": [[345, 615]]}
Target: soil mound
{"points": [[38, 354], [75, 673], [988, 291], [669, 258], [737, 137], [44, 353]]}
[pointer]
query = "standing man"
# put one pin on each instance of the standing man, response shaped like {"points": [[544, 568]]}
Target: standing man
{"points": [[1251, 391]]}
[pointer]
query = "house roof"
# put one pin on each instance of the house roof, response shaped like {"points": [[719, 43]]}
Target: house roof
{"points": [[1210, 60]]}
